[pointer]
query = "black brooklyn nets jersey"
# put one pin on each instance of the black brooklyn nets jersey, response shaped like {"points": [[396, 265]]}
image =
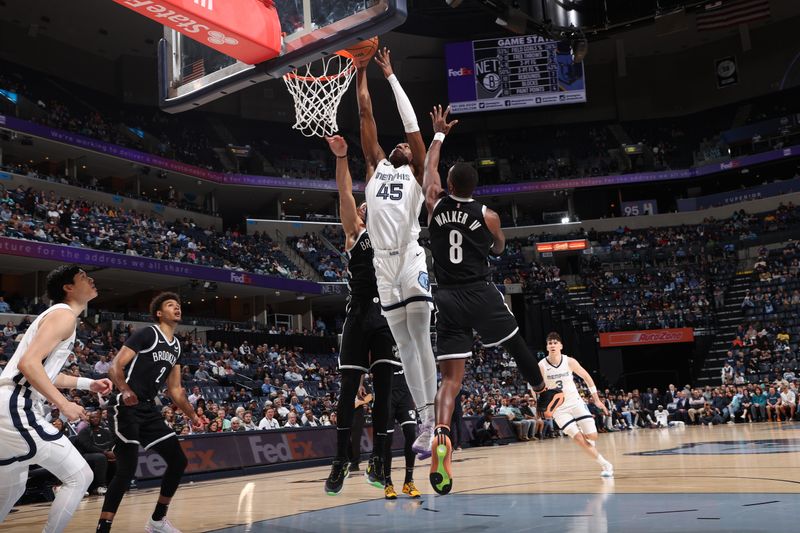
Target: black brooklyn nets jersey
{"points": [[460, 241], [360, 270], [147, 373]]}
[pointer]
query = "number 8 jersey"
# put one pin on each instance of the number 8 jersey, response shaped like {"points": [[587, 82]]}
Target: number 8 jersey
{"points": [[460, 241], [394, 200]]}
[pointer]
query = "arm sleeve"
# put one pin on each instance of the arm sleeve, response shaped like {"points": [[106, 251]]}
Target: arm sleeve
{"points": [[407, 114], [141, 339]]}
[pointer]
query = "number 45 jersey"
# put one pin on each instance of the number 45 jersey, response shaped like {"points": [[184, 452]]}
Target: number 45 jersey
{"points": [[394, 200]]}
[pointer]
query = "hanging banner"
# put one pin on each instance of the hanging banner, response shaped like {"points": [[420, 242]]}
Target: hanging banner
{"points": [[727, 72], [650, 336]]}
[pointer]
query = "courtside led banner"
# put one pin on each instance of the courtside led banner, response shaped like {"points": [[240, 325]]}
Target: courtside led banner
{"points": [[562, 246], [248, 30], [650, 336]]}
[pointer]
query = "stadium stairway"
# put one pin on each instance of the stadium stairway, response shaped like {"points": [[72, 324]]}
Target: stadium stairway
{"points": [[730, 317], [308, 271]]}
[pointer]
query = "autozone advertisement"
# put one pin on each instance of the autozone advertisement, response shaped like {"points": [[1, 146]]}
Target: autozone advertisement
{"points": [[652, 336], [235, 451]]}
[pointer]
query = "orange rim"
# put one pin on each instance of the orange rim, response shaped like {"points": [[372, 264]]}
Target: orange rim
{"points": [[343, 53]]}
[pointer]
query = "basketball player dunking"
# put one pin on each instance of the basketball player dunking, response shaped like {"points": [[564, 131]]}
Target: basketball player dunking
{"points": [[32, 376], [573, 417], [367, 343], [463, 232], [394, 199], [149, 359]]}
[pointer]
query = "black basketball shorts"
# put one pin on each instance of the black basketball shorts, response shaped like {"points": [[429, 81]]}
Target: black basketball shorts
{"points": [[460, 310], [402, 410], [141, 424], [366, 337]]}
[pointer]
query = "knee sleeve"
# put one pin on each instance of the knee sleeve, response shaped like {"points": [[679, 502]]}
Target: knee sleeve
{"points": [[525, 360], [173, 455], [382, 383], [347, 396], [68, 498]]}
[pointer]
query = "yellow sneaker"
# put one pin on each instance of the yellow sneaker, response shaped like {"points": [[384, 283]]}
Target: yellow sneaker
{"points": [[410, 489], [389, 493]]}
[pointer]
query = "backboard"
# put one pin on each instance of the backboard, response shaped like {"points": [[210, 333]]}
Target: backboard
{"points": [[191, 74]]}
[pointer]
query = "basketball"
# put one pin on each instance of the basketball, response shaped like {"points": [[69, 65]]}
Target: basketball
{"points": [[363, 51]]}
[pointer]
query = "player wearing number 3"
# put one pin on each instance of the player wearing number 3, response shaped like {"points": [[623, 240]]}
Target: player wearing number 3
{"points": [[462, 233], [573, 416], [394, 200]]}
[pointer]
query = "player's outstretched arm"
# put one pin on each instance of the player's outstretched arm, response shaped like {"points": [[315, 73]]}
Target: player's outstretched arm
{"points": [[54, 328], [102, 386], [413, 136], [432, 182], [493, 225], [369, 131], [348, 213], [117, 375], [178, 395], [581, 372]]}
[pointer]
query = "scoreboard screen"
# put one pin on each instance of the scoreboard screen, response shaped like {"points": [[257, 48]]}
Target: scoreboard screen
{"points": [[510, 72]]}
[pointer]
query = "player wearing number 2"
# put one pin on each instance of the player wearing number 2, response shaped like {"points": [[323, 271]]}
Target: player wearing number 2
{"points": [[394, 199], [573, 416], [149, 359], [462, 233]]}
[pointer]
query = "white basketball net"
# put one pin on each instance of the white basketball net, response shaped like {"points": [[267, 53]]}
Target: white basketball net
{"points": [[317, 89]]}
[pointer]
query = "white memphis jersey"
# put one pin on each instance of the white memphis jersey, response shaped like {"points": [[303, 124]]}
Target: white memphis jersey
{"points": [[560, 377], [53, 363], [394, 200]]}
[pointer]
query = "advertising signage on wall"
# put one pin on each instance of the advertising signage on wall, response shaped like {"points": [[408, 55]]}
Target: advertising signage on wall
{"points": [[650, 336], [562, 246]]}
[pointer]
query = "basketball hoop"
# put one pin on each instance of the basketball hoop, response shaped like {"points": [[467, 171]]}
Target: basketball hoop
{"points": [[317, 89]]}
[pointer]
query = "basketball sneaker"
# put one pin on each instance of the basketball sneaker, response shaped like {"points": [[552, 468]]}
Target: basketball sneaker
{"points": [[374, 473], [160, 526], [340, 469], [389, 492], [422, 445], [608, 470], [410, 489], [441, 476]]}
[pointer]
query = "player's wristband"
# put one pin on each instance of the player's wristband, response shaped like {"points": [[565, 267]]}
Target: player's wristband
{"points": [[84, 384], [439, 136], [593, 390]]}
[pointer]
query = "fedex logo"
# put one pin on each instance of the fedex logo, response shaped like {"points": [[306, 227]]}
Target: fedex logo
{"points": [[457, 73], [240, 277], [291, 447]]}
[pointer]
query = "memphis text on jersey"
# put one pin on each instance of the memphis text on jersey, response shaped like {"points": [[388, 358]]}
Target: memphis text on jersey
{"points": [[456, 217], [392, 176]]}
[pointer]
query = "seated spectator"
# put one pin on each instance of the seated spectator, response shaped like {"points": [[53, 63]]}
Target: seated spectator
{"points": [[95, 442], [247, 421], [485, 434], [4, 307], [102, 366], [291, 421], [269, 421], [10, 331]]}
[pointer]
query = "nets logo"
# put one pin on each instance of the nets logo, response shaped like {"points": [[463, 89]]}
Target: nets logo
{"points": [[238, 277], [457, 73]]}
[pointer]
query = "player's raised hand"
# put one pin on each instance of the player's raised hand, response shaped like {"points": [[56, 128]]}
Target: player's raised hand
{"points": [[337, 145], [129, 398], [384, 60], [102, 386], [197, 424], [439, 119], [73, 412]]}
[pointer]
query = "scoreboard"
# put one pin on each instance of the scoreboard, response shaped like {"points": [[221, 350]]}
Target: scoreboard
{"points": [[511, 72]]}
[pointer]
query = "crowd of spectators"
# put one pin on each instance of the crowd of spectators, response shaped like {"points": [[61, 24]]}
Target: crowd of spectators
{"points": [[33, 215]]}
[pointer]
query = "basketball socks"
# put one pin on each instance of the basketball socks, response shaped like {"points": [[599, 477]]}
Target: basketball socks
{"points": [[409, 475], [104, 526], [160, 511]]}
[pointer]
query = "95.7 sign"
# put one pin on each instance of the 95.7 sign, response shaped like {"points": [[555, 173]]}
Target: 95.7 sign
{"points": [[639, 207]]}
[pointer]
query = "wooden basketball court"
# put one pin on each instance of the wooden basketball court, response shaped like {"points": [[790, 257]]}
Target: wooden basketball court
{"points": [[690, 479]]}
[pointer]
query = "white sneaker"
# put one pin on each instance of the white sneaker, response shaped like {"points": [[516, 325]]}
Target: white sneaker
{"points": [[162, 526], [422, 445], [100, 491], [608, 470]]}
